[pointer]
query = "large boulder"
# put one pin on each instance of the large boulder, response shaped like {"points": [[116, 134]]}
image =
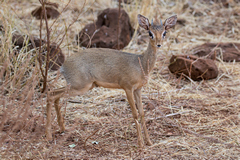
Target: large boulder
{"points": [[228, 52], [193, 67], [103, 33]]}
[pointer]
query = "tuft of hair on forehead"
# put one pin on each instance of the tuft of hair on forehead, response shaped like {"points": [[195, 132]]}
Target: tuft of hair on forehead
{"points": [[157, 24]]}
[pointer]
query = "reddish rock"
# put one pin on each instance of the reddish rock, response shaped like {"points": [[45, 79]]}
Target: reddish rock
{"points": [[22, 41], [103, 33], [18, 40], [51, 9], [193, 67], [228, 52], [125, 1], [56, 56]]}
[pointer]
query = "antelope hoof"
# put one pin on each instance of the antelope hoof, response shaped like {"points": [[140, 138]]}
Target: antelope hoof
{"points": [[48, 136], [149, 143], [62, 130], [140, 144]]}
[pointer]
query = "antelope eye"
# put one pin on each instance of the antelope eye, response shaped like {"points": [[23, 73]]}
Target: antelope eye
{"points": [[164, 34], [150, 34]]}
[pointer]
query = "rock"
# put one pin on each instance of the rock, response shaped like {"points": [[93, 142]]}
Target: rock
{"points": [[51, 9], [103, 33], [21, 41], [56, 56], [228, 52], [18, 40], [125, 1], [193, 67]]}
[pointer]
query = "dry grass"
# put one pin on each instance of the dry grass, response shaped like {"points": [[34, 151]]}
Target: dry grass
{"points": [[186, 119]]}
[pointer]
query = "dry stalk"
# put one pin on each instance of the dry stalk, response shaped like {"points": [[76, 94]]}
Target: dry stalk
{"points": [[119, 15], [43, 3], [40, 47], [90, 38], [88, 138], [202, 75]]}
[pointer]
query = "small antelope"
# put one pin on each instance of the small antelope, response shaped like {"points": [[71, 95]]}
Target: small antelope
{"points": [[112, 69]]}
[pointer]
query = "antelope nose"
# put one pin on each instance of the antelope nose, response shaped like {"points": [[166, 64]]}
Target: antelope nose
{"points": [[158, 45]]}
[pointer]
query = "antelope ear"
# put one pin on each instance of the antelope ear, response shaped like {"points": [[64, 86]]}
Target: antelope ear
{"points": [[170, 22], [143, 22]]}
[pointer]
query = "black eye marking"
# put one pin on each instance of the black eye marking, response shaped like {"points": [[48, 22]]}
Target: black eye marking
{"points": [[164, 34], [150, 34]]}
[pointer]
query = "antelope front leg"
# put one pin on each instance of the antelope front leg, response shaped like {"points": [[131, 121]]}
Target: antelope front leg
{"points": [[48, 125], [138, 99], [59, 115], [129, 94]]}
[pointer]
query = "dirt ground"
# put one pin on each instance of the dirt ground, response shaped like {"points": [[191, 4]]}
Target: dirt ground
{"points": [[185, 119]]}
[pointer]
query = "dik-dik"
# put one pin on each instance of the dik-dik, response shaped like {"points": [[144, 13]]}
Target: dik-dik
{"points": [[112, 69]]}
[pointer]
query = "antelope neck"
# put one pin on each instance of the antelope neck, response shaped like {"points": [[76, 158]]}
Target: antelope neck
{"points": [[148, 58]]}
